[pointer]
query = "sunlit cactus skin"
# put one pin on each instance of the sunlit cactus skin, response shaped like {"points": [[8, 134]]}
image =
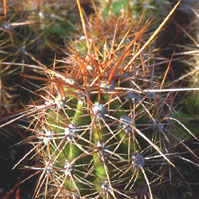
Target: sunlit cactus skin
{"points": [[104, 125]]}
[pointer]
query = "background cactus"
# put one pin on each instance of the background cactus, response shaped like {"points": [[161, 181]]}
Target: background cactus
{"points": [[105, 125], [15, 34], [27, 36]]}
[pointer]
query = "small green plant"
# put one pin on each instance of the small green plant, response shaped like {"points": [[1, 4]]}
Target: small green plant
{"points": [[104, 125]]}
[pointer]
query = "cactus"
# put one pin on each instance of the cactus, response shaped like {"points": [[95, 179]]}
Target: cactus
{"points": [[105, 125], [189, 59], [15, 33], [28, 37]]}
